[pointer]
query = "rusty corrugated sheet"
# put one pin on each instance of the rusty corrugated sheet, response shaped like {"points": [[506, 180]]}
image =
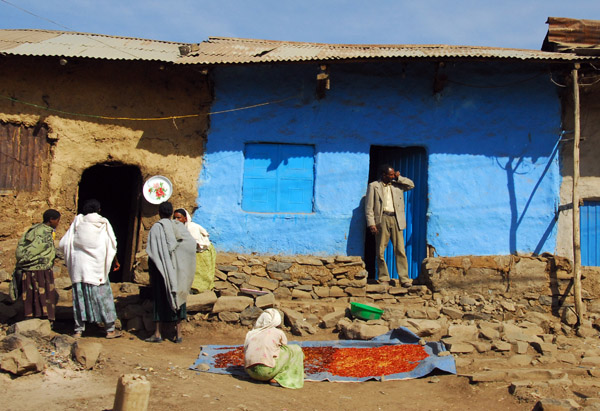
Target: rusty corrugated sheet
{"points": [[23, 151], [69, 44], [223, 50], [572, 35]]}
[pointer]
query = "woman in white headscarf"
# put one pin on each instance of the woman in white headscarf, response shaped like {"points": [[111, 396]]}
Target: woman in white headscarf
{"points": [[267, 355], [204, 278]]}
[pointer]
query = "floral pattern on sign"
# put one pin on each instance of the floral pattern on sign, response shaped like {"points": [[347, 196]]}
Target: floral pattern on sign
{"points": [[158, 190]]}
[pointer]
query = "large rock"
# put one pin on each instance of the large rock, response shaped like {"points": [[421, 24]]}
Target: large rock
{"points": [[22, 361], [551, 404], [201, 302], [235, 304], [424, 328], [34, 327], [297, 323], [301, 295], [63, 343], [463, 332], [489, 333], [513, 333], [528, 274], [453, 313], [331, 319], [250, 315], [86, 353], [265, 301], [361, 331], [282, 293], [14, 342], [229, 317], [263, 282]]}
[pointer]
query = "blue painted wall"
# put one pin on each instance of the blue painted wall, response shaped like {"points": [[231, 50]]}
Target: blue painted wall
{"points": [[490, 136]]}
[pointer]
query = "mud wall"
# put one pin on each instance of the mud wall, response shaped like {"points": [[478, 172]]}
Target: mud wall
{"points": [[79, 103], [589, 183]]}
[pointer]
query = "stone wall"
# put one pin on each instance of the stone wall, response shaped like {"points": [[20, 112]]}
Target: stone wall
{"points": [[316, 291], [459, 288]]}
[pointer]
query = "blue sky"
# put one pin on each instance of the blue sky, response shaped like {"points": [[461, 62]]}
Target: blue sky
{"points": [[500, 23]]}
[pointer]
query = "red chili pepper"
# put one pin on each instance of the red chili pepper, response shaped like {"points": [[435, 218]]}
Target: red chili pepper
{"points": [[345, 362]]}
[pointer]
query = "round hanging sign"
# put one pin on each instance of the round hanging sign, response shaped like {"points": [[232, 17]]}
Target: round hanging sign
{"points": [[157, 189]]}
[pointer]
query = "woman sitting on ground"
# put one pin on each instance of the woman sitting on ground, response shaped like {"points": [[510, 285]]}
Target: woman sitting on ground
{"points": [[90, 249], [267, 355]]}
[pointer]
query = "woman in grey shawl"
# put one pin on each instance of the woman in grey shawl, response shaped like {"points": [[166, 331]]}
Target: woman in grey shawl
{"points": [[172, 264]]}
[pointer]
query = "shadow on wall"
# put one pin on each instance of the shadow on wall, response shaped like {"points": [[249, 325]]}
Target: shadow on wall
{"points": [[356, 230], [512, 168]]}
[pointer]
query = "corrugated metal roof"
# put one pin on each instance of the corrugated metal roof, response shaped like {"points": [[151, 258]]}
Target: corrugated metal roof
{"points": [[71, 44], [223, 50], [572, 35]]}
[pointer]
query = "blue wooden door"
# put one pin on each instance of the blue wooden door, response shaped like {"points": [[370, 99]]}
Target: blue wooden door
{"points": [[412, 163], [590, 233]]}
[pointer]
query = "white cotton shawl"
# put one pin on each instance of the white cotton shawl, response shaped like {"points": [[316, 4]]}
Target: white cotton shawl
{"points": [[89, 247], [198, 232], [262, 344]]}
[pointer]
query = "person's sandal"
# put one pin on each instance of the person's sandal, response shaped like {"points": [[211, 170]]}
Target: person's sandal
{"points": [[178, 340], [154, 339], [113, 334]]}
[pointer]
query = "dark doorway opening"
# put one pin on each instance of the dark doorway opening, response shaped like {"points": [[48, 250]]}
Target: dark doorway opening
{"points": [[118, 187], [412, 163]]}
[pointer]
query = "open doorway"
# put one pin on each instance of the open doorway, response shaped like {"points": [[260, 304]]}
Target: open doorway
{"points": [[118, 187], [412, 163]]}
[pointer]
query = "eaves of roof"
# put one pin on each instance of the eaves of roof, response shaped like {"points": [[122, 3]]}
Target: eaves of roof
{"points": [[223, 51], [93, 46]]}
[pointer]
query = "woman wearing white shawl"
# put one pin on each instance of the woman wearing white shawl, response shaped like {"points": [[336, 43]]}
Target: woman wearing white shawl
{"points": [[90, 247], [204, 278], [267, 355], [172, 263]]}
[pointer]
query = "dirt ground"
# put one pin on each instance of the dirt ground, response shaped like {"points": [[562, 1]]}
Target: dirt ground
{"points": [[175, 387]]}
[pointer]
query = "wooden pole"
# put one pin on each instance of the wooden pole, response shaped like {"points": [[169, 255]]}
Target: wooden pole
{"points": [[133, 393], [576, 227]]}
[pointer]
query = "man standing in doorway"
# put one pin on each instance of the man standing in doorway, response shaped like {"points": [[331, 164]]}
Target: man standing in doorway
{"points": [[384, 209]]}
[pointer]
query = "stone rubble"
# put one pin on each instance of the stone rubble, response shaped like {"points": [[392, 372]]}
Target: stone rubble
{"points": [[507, 320], [31, 346]]}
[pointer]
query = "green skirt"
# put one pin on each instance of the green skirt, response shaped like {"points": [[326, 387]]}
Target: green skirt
{"points": [[204, 278], [288, 370]]}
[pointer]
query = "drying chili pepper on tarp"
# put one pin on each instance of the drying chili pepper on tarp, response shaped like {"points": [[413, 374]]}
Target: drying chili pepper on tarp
{"points": [[395, 355]]}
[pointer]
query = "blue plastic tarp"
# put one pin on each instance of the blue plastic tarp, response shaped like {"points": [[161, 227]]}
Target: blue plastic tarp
{"points": [[434, 361]]}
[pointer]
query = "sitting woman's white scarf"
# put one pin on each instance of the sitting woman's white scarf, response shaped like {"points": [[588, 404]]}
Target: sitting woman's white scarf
{"points": [[198, 232], [263, 341], [89, 247]]}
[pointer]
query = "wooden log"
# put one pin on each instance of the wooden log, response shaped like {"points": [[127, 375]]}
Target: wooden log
{"points": [[133, 393], [576, 228]]}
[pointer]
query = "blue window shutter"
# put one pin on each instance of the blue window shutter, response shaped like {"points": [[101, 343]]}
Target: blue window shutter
{"points": [[278, 178], [590, 234]]}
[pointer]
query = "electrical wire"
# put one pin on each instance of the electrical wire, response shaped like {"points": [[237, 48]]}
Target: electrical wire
{"points": [[174, 117], [68, 28]]}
